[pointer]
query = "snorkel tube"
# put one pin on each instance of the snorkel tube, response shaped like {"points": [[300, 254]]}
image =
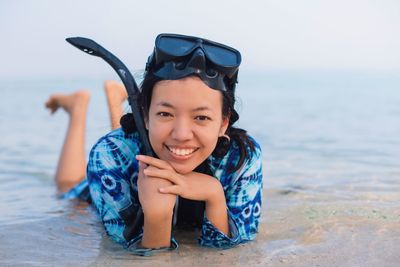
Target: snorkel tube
{"points": [[94, 49], [132, 214]]}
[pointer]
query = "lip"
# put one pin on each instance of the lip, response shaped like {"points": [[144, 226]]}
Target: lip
{"points": [[184, 152]]}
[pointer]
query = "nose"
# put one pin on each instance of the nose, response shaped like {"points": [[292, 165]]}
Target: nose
{"points": [[182, 130]]}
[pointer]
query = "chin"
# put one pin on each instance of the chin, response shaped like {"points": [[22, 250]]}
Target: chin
{"points": [[182, 169], [182, 164]]}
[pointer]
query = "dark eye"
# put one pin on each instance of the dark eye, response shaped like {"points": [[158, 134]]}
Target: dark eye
{"points": [[202, 118], [163, 114]]}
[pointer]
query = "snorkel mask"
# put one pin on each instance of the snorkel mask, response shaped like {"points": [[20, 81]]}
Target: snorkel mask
{"points": [[177, 56]]}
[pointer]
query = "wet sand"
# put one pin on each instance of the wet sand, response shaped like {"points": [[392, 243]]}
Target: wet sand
{"points": [[298, 228]]}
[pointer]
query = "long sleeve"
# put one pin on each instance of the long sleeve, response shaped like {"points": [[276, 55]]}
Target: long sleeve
{"points": [[112, 175], [243, 193]]}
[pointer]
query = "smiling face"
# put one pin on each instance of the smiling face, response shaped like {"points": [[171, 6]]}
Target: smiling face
{"points": [[184, 122]]}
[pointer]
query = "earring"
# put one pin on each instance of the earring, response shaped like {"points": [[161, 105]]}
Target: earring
{"points": [[222, 147]]}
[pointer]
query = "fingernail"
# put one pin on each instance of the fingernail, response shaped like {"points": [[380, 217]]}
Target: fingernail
{"points": [[139, 157]]}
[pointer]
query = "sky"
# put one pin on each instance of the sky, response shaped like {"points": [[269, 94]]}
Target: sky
{"points": [[271, 34]]}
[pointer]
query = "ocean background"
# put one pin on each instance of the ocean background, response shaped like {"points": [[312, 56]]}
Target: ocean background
{"points": [[331, 165]]}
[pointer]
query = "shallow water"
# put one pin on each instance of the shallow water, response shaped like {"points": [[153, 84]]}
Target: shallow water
{"points": [[331, 175]]}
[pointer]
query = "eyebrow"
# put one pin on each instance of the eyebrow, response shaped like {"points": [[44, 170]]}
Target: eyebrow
{"points": [[169, 105], [165, 104]]}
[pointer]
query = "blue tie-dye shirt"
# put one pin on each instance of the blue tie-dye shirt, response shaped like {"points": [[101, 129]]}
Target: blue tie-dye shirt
{"points": [[112, 181]]}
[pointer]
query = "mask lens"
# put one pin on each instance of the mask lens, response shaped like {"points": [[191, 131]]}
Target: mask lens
{"points": [[222, 56], [175, 46]]}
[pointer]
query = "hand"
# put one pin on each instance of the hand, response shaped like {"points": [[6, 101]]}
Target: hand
{"points": [[149, 195], [157, 209], [194, 186]]}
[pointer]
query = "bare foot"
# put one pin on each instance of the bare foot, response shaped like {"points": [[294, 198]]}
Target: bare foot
{"points": [[69, 102], [116, 95]]}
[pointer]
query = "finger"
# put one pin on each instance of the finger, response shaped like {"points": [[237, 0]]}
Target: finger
{"points": [[162, 173], [154, 162], [142, 166], [173, 189]]}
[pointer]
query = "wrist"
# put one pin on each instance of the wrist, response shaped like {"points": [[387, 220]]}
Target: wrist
{"points": [[216, 196], [217, 210]]}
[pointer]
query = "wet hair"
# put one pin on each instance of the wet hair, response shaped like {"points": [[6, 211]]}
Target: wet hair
{"points": [[238, 135]]}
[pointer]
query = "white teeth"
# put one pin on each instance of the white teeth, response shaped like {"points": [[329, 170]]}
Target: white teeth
{"points": [[181, 152]]}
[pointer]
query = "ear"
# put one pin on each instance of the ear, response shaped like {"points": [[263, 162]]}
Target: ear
{"points": [[224, 125], [146, 122]]}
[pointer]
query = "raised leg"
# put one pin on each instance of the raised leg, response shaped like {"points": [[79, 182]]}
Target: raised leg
{"points": [[71, 167], [116, 95]]}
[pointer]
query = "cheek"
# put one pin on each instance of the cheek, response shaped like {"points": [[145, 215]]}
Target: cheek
{"points": [[209, 136], [156, 134]]}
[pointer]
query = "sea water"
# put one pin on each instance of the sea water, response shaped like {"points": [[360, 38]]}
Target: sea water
{"points": [[331, 166]]}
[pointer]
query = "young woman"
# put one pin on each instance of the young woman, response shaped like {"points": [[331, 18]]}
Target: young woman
{"points": [[207, 172]]}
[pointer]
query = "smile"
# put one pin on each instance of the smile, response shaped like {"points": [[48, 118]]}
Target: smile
{"points": [[182, 151]]}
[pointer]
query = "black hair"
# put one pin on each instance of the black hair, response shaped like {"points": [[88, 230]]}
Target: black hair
{"points": [[236, 134]]}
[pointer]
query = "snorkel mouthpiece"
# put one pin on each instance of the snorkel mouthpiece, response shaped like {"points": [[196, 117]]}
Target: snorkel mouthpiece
{"points": [[84, 44]]}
